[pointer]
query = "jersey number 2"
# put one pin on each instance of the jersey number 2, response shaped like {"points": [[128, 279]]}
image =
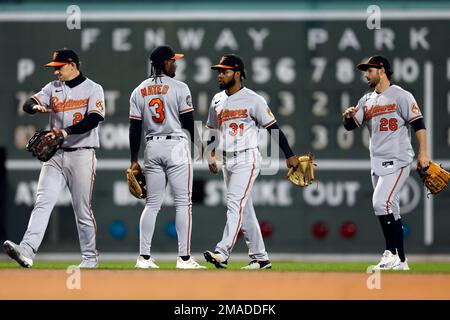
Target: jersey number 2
{"points": [[159, 110], [77, 117], [388, 124]]}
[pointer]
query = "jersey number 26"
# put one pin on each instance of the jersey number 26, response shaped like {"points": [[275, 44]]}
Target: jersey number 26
{"points": [[388, 124]]}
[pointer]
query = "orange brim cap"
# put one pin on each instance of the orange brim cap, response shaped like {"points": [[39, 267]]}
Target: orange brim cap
{"points": [[177, 56], [221, 66], [55, 64]]}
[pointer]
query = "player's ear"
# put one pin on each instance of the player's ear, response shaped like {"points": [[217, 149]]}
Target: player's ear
{"points": [[166, 65]]}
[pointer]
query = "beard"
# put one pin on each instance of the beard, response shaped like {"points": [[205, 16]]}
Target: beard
{"points": [[228, 85], [374, 82]]}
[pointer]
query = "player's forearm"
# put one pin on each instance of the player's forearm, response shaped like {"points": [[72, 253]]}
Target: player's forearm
{"points": [[187, 123], [90, 122], [349, 124], [135, 138], [28, 106], [282, 140], [421, 136]]}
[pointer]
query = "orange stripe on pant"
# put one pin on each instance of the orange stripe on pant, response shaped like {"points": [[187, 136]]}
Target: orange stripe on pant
{"points": [[241, 207], [392, 191], [188, 244], [91, 213]]}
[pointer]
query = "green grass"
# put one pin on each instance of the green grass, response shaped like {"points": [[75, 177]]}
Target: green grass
{"points": [[288, 266]]}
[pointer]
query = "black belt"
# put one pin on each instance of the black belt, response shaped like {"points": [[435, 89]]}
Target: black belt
{"points": [[164, 138], [75, 149], [234, 153]]}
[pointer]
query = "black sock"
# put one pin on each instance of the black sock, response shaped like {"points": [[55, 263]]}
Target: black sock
{"points": [[185, 258], [387, 224], [398, 227], [146, 257]]}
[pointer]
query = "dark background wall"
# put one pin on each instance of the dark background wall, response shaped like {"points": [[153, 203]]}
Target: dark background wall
{"points": [[305, 67]]}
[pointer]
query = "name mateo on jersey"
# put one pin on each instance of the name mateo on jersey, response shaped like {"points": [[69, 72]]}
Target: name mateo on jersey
{"points": [[154, 90]]}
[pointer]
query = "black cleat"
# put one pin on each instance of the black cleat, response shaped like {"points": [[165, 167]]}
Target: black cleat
{"points": [[216, 259]]}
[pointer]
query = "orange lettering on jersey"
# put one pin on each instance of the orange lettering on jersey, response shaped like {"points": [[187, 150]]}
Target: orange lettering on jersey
{"points": [[226, 115], [155, 90], [378, 110], [67, 105]]}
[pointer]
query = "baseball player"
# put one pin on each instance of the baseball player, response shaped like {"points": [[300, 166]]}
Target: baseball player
{"points": [[163, 106], [76, 106], [235, 116], [389, 113]]}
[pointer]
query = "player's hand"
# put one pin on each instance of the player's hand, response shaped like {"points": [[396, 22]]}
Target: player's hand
{"points": [[350, 112], [135, 166], [423, 159], [56, 131], [292, 162], [40, 108], [212, 164]]}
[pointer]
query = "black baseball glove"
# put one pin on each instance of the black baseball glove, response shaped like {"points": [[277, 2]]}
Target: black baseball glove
{"points": [[44, 144]]}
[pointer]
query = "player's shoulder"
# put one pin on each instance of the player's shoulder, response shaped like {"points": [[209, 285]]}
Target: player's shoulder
{"points": [[91, 83], [367, 96], [400, 92], [252, 95], [219, 96], [174, 83]]}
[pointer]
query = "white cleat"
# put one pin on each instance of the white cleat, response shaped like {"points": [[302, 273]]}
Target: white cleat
{"points": [[189, 264], [142, 263], [388, 261], [87, 264], [401, 266], [256, 265], [15, 252]]}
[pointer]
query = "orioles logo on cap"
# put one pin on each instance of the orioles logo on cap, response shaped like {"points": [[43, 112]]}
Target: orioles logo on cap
{"points": [[55, 55]]}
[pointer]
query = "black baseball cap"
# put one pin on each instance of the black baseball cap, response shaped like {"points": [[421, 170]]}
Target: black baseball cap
{"points": [[63, 56], [230, 61], [376, 62], [163, 53]]}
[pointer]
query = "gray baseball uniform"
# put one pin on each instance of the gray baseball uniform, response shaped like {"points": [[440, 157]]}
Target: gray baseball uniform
{"points": [[387, 116], [238, 118], [74, 165], [158, 102]]}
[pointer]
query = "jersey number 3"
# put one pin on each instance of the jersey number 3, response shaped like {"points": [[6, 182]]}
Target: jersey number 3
{"points": [[388, 124], [159, 110]]}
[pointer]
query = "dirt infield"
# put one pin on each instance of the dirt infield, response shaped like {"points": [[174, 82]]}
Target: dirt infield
{"points": [[212, 285]]}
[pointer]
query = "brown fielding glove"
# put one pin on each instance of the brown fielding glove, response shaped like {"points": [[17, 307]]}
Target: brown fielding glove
{"points": [[44, 144], [434, 177], [136, 183], [304, 174]]}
